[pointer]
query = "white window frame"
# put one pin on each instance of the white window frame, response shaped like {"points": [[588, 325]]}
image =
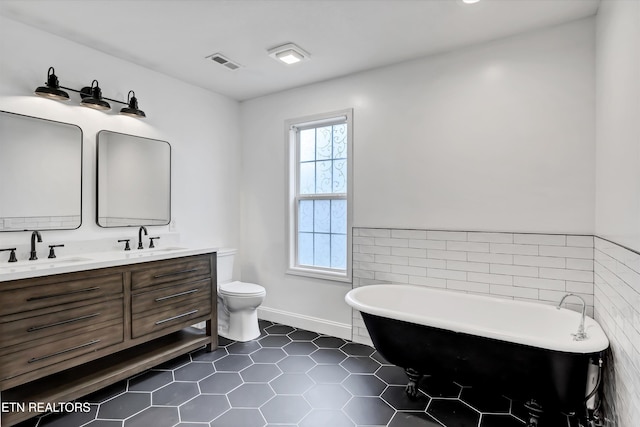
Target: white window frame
{"points": [[292, 128]]}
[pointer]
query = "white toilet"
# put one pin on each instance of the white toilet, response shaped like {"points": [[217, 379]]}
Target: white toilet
{"points": [[237, 302]]}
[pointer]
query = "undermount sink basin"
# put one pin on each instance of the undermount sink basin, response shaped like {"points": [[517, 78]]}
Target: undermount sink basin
{"points": [[152, 251], [43, 263], [167, 249], [65, 260]]}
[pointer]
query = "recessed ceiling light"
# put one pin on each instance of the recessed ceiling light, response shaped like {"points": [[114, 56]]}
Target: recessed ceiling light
{"points": [[470, 1], [289, 54]]}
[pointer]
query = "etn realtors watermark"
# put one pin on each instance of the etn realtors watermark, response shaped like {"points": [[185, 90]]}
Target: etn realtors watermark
{"points": [[41, 407]]}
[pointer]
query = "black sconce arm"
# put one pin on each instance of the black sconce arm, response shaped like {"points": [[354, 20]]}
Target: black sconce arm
{"points": [[86, 91]]}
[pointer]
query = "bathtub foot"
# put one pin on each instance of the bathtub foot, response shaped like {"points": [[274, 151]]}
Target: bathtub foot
{"points": [[414, 379], [535, 412]]}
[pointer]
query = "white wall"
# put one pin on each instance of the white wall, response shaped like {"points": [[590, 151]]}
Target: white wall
{"points": [[618, 123], [617, 267], [201, 126], [495, 137]]}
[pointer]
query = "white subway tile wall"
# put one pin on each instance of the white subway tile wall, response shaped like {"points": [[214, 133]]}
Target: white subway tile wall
{"points": [[123, 222], [617, 309], [532, 267]]}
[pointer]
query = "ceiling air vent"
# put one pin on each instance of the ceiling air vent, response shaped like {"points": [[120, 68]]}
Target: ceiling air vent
{"points": [[224, 61]]}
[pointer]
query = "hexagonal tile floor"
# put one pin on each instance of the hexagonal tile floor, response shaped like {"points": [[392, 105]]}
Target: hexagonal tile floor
{"points": [[290, 377]]}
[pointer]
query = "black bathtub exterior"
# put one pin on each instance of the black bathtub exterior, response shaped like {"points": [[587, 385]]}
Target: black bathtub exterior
{"points": [[556, 380]]}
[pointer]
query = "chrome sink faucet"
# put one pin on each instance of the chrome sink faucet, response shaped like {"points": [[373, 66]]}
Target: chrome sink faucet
{"points": [[581, 334], [35, 235], [140, 230]]}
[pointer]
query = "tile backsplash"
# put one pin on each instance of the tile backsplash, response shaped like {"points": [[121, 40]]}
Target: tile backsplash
{"points": [[617, 309], [124, 222], [39, 223], [533, 267]]}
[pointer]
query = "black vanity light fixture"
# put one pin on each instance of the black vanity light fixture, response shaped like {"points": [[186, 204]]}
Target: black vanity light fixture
{"points": [[52, 88], [91, 96], [132, 109]]}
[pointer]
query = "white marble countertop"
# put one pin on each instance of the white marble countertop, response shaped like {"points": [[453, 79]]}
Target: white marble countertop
{"points": [[90, 261]]}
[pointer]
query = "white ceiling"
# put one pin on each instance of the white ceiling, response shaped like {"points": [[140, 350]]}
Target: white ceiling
{"points": [[343, 36]]}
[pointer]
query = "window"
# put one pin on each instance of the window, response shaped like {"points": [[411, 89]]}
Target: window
{"points": [[319, 202]]}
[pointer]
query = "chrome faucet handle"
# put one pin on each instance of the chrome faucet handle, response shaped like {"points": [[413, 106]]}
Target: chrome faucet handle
{"points": [[12, 255]]}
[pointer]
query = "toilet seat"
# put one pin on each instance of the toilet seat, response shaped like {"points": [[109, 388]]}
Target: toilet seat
{"points": [[241, 289]]}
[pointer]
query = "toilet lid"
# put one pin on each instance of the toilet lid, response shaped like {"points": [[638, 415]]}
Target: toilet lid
{"points": [[241, 289]]}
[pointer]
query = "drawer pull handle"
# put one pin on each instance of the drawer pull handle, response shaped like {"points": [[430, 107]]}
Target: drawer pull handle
{"points": [[192, 291], [175, 273], [188, 313], [63, 322], [37, 359], [95, 288]]}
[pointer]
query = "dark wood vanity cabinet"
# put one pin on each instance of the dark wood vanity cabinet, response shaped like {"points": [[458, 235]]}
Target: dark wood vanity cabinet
{"points": [[66, 335]]}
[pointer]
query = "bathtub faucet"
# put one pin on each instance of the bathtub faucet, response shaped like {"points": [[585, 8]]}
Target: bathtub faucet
{"points": [[581, 334]]}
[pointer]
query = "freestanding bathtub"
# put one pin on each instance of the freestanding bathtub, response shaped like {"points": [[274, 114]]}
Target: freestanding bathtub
{"points": [[524, 350]]}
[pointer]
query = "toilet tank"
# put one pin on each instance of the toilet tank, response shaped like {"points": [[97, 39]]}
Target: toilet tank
{"points": [[225, 265]]}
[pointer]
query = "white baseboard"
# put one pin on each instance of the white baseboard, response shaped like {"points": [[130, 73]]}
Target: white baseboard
{"points": [[315, 324]]}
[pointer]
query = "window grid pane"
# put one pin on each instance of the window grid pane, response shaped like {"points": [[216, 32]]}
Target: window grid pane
{"points": [[324, 176], [321, 250], [305, 248], [308, 178], [324, 144], [321, 216], [339, 251], [305, 216], [307, 145], [340, 141]]}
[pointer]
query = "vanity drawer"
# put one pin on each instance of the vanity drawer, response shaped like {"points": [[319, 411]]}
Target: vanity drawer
{"points": [[59, 292], [171, 270], [149, 322], [38, 354], [162, 297], [80, 319]]}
